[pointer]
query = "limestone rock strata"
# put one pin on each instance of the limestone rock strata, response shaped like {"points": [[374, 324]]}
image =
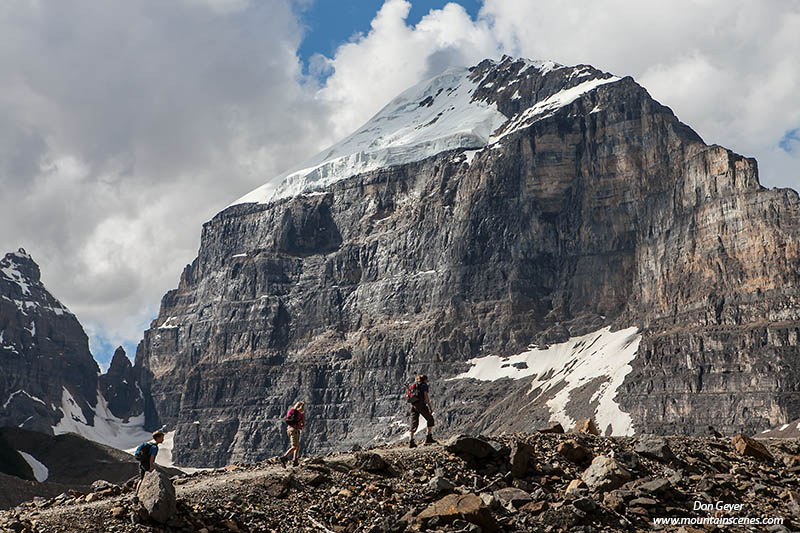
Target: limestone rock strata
{"points": [[606, 211]]}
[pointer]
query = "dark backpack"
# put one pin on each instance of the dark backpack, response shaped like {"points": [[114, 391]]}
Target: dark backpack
{"points": [[414, 393], [143, 452], [292, 418]]}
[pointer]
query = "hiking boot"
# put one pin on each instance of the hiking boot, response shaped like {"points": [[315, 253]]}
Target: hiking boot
{"points": [[283, 460], [412, 444], [429, 439], [295, 463]]}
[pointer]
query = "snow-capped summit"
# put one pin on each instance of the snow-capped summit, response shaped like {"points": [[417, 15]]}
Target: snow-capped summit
{"points": [[458, 109]]}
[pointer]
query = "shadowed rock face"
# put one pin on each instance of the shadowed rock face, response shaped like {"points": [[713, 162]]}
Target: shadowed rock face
{"points": [[606, 211], [118, 386], [43, 349]]}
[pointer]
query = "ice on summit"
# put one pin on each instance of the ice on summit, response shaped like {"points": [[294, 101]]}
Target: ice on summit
{"points": [[431, 117], [434, 116]]}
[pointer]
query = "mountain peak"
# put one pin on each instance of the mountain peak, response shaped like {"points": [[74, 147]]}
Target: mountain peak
{"points": [[461, 108], [20, 268]]}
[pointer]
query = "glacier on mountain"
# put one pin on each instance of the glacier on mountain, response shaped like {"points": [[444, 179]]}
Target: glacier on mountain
{"points": [[436, 115]]}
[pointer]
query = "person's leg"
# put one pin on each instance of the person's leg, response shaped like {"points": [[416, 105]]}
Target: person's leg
{"points": [[429, 421], [414, 425], [296, 446]]}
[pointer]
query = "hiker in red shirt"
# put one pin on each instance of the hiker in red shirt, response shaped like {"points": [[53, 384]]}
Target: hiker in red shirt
{"points": [[295, 420]]}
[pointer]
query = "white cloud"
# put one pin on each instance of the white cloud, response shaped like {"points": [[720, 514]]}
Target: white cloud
{"points": [[393, 56], [124, 126]]}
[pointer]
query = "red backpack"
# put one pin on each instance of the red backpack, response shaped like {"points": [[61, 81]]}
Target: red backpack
{"points": [[413, 393]]}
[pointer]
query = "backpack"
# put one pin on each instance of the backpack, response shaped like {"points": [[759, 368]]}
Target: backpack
{"points": [[143, 452], [292, 418], [413, 393]]}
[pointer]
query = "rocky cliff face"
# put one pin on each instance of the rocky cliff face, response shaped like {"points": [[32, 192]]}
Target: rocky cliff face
{"points": [[49, 381], [654, 275], [44, 352], [120, 388]]}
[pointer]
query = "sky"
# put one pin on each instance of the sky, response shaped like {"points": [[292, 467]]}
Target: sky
{"points": [[124, 126]]}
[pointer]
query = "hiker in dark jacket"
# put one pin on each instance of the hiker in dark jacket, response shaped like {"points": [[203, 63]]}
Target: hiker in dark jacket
{"points": [[146, 453], [422, 406], [296, 420]]}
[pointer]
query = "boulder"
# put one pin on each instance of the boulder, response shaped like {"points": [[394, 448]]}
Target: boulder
{"points": [[605, 474], [512, 496], [656, 486], [371, 462], [469, 507], [656, 448], [744, 445], [575, 486], [157, 496], [587, 426], [519, 458], [470, 446], [101, 485], [554, 428], [440, 484], [572, 451]]}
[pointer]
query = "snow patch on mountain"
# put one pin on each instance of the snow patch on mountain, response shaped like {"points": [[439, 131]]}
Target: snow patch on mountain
{"points": [[13, 394], [108, 429], [13, 275], [550, 105], [40, 472], [433, 116], [571, 365]]}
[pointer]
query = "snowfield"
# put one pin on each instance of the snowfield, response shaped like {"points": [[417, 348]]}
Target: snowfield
{"points": [[40, 472], [574, 363], [434, 116], [108, 429]]}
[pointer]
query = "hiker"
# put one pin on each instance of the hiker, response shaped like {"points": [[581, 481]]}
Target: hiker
{"points": [[296, 421], [146, 455], [418, 397]]}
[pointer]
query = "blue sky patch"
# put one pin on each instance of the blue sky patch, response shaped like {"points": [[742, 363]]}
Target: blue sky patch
{"points": [[790, 143], [330, 23]]}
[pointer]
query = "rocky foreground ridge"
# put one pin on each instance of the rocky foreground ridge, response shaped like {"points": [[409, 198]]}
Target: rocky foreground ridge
{"points": [[591, 210], [514, 482]]}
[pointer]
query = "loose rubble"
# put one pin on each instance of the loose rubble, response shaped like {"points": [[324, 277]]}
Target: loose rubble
{"points": [[548, 482]]}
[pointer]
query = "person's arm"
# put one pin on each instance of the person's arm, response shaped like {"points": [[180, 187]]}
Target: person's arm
{"points": [[428, 402], [152, 462]]}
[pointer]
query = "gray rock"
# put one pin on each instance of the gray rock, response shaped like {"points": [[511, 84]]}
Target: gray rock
{"points": [[519, 458], [471, 446], [553, 428], [656, 486], [371, 462], [440, 484], [605, 474], [654, 448], [512, 496], [585, 504], [157, 496]]}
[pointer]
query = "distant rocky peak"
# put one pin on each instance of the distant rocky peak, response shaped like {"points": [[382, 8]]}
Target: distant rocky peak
{"points": [[20, 283], [20, 268], [120, 364], [120, 388]]}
